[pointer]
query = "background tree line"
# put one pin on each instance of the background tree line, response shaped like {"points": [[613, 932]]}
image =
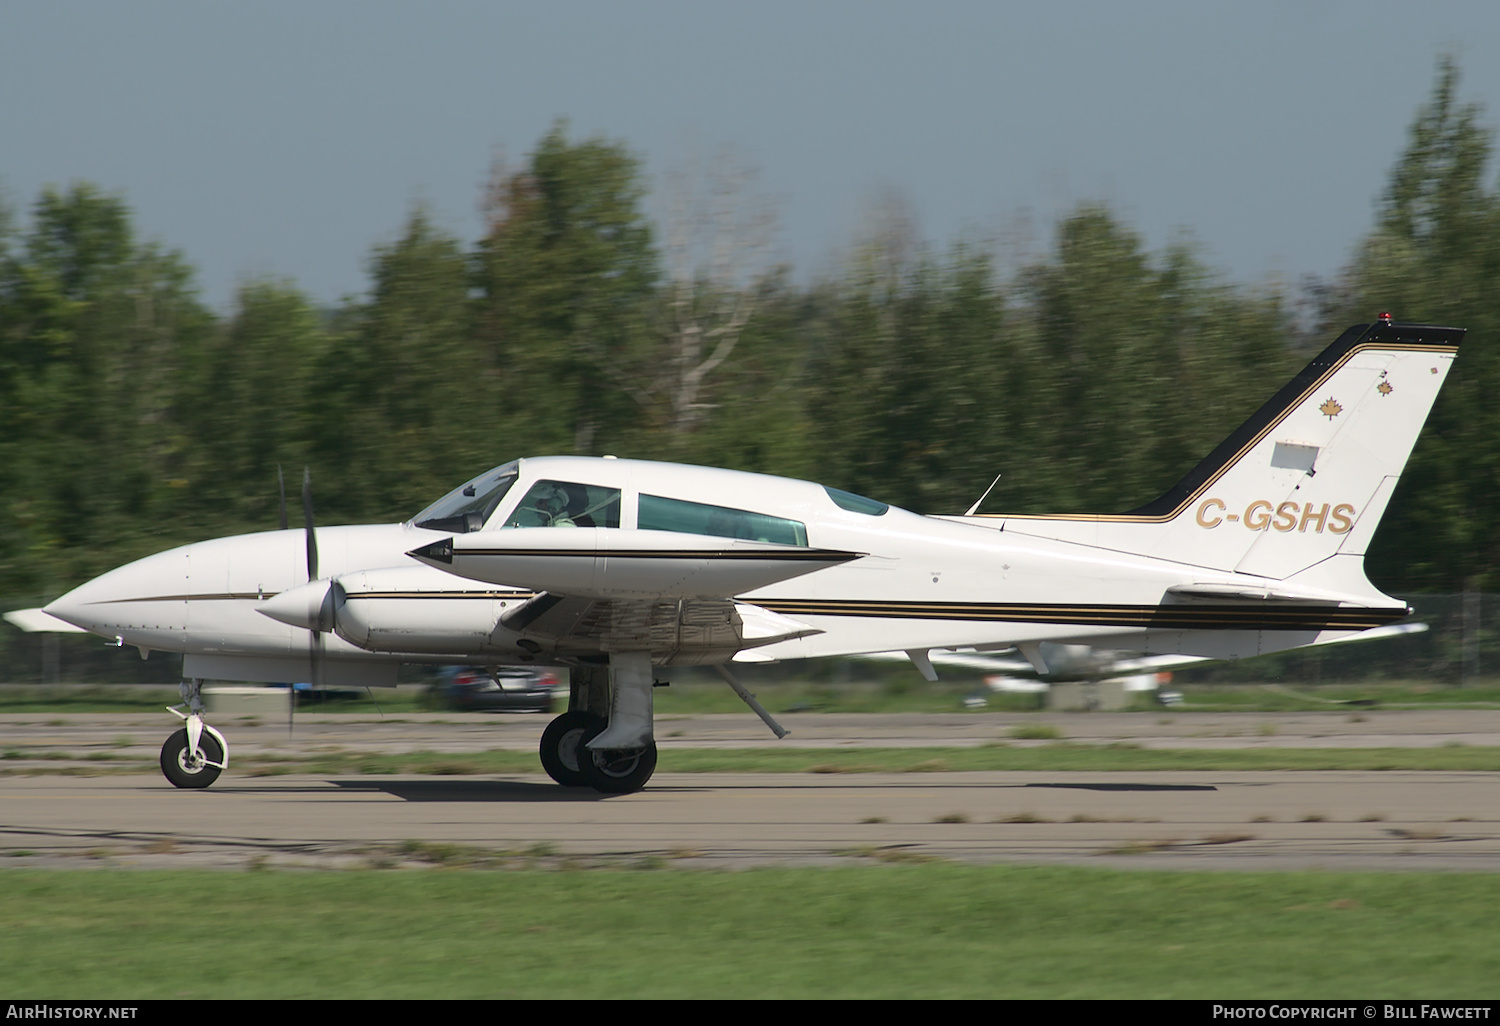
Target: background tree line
{"points": [[132, 418]]}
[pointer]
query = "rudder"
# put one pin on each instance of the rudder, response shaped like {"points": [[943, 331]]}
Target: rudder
{"points": [[1310, 474]]}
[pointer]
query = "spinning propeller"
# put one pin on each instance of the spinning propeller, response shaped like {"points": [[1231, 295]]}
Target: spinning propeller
{"points": [[315, 621], [314, 638]]}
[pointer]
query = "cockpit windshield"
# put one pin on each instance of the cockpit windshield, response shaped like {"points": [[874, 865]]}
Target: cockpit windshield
{"points": [[467, 508]]}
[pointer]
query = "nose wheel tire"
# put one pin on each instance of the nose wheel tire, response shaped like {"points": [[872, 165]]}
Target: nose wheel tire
{"points": [[615, 771], [185, 769], [560, 746]]}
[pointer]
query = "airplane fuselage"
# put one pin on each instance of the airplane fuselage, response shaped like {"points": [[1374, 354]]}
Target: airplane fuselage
{"points": [[902, 581]]}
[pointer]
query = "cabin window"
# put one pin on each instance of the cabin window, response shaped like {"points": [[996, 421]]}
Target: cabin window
{"points": [[855, 503], [567, 504], [469, 506], [659, 514]]}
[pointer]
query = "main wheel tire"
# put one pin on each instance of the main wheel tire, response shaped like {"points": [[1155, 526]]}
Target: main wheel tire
{"points": [[615, 771], [561, 742], [185, 770]]}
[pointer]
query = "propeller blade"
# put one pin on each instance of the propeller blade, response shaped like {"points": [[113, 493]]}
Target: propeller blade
{"points": [[312, 535], [314, 638], [281, 491]]}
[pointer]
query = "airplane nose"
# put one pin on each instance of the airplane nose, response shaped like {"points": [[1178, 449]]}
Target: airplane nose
{"points": [[72, 609], [150, 593]]}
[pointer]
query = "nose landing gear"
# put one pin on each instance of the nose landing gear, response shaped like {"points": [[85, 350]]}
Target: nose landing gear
{"points": [[195, 754]]}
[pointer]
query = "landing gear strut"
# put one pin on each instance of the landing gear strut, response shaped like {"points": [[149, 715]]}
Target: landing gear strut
{"points": [[604, 739], [195, 754]]}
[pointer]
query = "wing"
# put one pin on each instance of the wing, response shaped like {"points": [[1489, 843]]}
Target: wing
{"points": [[676, 630], [623, 590]]}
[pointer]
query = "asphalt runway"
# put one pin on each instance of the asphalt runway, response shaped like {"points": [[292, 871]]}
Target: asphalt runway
{"points": [[1189, 820]]}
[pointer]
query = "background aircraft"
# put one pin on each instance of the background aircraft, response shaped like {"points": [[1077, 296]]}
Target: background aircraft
{"points": [[1009, 670], [614, 567]]}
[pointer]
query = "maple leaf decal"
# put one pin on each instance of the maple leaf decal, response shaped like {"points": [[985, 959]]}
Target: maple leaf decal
{"points": [[1330, 409], [1385, 388]]}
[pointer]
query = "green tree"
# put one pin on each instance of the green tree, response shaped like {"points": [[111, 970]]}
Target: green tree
{"points": [[909, 378], [97, 335], [565, 272], [1145, 365], [253, 409], [406, 402], [754, 407], [1434, 258]]}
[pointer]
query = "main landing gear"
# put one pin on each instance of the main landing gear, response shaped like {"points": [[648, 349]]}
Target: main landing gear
{"points": [[604, 739], [196, 753], [568, 760]]}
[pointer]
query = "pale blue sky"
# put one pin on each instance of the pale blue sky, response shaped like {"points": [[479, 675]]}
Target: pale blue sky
{"points": [[286, 138]]}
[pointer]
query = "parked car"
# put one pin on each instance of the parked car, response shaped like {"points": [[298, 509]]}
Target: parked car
{"points": [[519, 689]]}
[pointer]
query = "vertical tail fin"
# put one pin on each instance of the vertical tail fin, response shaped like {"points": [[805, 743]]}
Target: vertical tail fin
{"points": [[1309, 475], [1305, 479]]}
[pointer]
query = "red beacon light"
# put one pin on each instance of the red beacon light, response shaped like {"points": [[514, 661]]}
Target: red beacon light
{"points": [[1385, 318]]}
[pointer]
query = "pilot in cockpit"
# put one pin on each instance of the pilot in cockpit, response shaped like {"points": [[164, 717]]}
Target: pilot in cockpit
{"points": [[575, 509]]}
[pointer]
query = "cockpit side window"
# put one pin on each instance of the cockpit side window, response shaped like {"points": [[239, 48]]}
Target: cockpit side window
{"points": [[660, 514], [469, 506], [567, 504], [856, 503]]}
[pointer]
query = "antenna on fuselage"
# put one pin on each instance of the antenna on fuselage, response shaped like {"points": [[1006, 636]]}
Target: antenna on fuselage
{"points": [[986, 494]]}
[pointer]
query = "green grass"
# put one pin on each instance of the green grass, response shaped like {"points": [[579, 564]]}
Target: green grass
{"points": [[866, 931], [1276, 697], [1036, 732]]}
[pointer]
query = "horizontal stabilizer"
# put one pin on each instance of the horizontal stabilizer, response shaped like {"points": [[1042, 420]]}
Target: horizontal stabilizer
{"points": [[1081, 662], [1252, 593]]}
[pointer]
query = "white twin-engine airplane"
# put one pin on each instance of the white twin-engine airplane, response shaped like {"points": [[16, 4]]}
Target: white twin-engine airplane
{"points": [[613, 567]]}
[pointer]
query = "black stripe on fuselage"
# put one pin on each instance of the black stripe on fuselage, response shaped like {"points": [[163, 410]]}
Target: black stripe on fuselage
{"points": [[222, 597], [1271, 616], [796, 556], [1280, 616], [256, 597], [502, 595]]}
